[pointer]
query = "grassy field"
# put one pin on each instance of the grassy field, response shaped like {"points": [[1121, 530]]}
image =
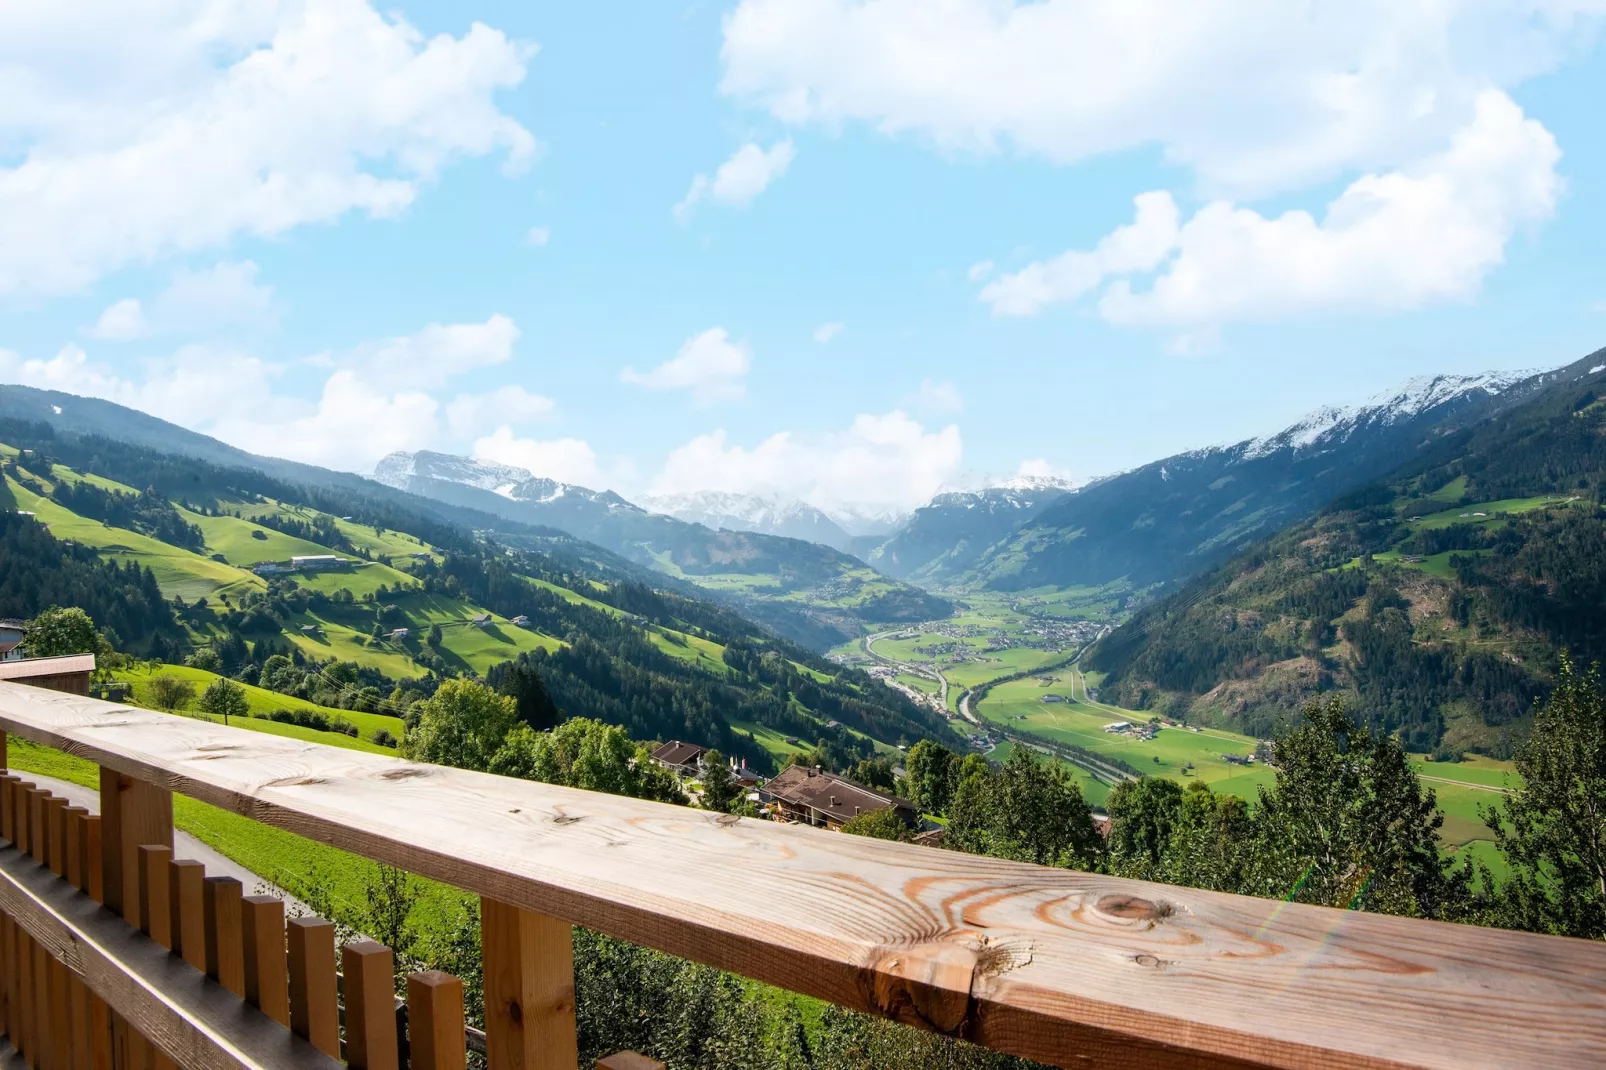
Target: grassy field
{"points": [[177, 570], [692, 649], [260, 700], [346, 634], [1461, 787], [772, 740], [1178, 753]]}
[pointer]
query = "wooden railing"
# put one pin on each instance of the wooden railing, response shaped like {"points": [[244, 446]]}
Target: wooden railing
{"points": [[1069, 968]]}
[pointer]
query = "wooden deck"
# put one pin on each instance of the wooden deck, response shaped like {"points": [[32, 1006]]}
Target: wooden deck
{"points": [[1068, 968]]}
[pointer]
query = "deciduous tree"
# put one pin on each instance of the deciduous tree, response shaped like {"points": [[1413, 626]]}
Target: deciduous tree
{"points": [[170, 693], [224, 698]]}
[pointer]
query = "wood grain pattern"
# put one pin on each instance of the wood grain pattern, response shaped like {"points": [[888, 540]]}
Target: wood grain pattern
{"points": [[435, 1022], [156, 894], [314, 999], [369, 969], [7, 806], [19, 810], [44, 1035], [267, 980], [225, 953], [73, 844], [133, 812], [193, 1021], [528, 961], [187, 878], [83, 1041], [36, 823], [56, 835], [1069, 968]]}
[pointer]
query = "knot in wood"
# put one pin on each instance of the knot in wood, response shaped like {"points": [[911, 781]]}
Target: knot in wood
{"points": [[407, 772], [933, 983], [1131, 908]]}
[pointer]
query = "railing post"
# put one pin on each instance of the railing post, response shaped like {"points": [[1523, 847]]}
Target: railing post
{"points": [[528, 961], [133, 813], [267, 984], [435, 1022], [187, 879], [225, 951], [314, 1002], [370, 971]]}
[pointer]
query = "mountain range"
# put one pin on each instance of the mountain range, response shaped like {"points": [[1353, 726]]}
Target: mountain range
{"points": [[1437, 597], [1174, 517], [807, 591]]}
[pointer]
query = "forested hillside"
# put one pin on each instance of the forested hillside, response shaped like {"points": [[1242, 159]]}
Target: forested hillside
{"points": [[1439, 599], [179, 559]]}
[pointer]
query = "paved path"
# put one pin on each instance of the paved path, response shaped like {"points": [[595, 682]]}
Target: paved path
{"points": [[184, 845]]}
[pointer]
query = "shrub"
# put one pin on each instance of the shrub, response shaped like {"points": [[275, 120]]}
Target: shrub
{"points": [[383, 737]]}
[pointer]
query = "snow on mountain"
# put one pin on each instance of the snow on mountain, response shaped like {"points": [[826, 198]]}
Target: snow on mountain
{"points": [[400, 469], [394, 470], [751, 512], [1330, 424]]}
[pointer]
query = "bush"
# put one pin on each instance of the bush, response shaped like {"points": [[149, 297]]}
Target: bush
{"points": [[383, 737]]}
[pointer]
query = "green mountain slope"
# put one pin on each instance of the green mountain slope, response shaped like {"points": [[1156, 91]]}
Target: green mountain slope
{"points": [[1180, 515], [806, 591], [1439, 599], [419, 600]]}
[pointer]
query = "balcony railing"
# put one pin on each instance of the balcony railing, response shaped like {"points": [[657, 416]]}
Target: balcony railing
{"points": [[1072, 969]]}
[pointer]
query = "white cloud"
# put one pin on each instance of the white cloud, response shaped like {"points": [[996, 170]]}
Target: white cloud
{"points": [[979, 270], [372, 400], [471, 414], [568, 460], [140, 131], [825, 332], [1039, 468], [121, 321], [1254, 96], [709, 364], [943, 397], [741, 178], [429, 358], [225, 294], [1397, 240], [1139, 246], [879, 460], [539, 236]]}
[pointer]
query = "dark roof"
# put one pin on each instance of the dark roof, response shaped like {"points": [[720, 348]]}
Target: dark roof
{"points": [[837, 796], [677, 753]]}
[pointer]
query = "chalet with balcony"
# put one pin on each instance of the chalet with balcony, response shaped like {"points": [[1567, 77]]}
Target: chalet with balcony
{"points": [[811, 796], [682, 759]]}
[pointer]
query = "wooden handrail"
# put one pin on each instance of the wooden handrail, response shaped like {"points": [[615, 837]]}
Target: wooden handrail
{"points": [[1069, 968]]}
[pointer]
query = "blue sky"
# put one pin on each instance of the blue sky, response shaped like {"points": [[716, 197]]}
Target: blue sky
{"points": [[324, 231]]}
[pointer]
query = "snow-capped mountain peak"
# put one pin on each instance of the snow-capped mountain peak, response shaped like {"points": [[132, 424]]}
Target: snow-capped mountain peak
{"points": [[396, 469], [766, 515], [1331, 424]]}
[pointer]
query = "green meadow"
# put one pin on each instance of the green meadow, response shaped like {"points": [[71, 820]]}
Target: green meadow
{"points": [[177, 571]]}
